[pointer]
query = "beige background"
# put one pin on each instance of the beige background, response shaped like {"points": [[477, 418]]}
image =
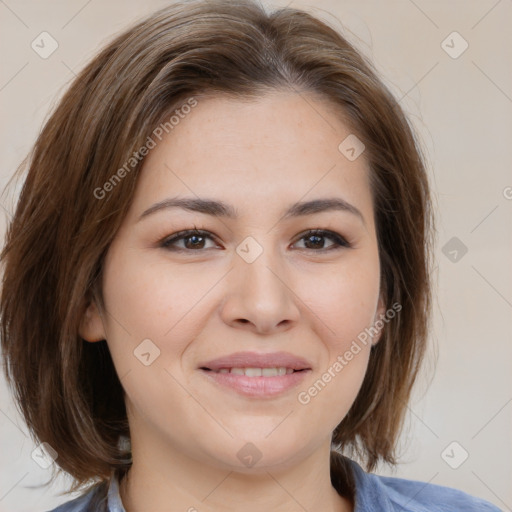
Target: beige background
{"points": [[462, 108]]}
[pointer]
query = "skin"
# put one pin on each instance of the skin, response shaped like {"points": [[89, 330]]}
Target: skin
{"points": [[297, 296]]}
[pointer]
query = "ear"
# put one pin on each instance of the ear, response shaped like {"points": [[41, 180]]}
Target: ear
{"points": [[380, 313], [91, 325]]}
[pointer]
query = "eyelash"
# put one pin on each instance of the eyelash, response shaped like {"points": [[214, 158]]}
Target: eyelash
{"points": [[339, 241]]}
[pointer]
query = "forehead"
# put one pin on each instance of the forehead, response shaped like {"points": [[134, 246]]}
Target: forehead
{"points": [[281, 146]]}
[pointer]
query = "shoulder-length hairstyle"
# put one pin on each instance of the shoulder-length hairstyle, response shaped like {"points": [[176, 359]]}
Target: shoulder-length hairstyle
{"points": [[66, 388]]}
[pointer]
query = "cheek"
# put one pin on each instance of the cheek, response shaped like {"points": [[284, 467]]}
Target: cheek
{"points": [[344, 306], [344, 302], [153, 300], [157, 302], [148, 301]]}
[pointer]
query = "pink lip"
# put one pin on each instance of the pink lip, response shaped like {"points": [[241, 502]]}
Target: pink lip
{"points": [[255, 360], [260, 387]]}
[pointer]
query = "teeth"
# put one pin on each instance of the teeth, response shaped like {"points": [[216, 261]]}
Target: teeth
{"points": [[253, 372], [258, 372]]}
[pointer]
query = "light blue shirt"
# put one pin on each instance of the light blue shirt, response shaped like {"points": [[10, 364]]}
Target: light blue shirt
{"points": [[373, 494]]}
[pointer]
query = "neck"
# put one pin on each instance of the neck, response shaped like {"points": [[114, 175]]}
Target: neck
{"points": [[156, 483]]}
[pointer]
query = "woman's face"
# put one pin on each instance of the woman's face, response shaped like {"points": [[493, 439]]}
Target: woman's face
{"points": [[253, 281]]}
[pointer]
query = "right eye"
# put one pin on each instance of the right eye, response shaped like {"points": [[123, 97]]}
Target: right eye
{"points": [[194, 240]]}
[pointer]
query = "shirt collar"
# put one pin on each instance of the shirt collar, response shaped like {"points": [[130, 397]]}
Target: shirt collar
{"points": [[369, 493], [114, 502]]}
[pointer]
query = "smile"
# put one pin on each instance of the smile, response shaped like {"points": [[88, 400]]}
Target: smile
{"points": [[262, 383], [256, 372]]}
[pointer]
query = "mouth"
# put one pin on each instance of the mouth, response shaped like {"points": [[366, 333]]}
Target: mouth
{"points": [[256, 372], [256, 375]]}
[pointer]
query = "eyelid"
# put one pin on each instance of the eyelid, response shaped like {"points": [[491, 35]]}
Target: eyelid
{"points": [[340, 241], [325, 233], [185, 233]]}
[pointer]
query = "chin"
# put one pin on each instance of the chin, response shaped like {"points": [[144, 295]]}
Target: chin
{"points": [[261, 452]]}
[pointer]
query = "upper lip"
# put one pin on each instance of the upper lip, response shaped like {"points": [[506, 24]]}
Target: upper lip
{"points": [[257, 360]]}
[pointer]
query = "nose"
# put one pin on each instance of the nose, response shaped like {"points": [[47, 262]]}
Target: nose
{"points": [[259, 296]]}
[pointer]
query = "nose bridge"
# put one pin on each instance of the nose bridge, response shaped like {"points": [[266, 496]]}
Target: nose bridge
{"points": [[261, 268], [259, 289]]}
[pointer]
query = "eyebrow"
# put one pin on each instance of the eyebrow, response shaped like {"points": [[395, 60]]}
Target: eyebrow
{"points": [[221, 209]]}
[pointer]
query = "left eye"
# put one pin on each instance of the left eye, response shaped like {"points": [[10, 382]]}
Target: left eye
{"points": [[314, 237], [195, 240]]}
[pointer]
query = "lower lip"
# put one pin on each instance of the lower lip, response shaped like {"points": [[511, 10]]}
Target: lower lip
{"points": [[260, 387]]}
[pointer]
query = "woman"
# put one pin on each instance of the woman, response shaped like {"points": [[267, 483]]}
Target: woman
{"points": [[217, 277]]}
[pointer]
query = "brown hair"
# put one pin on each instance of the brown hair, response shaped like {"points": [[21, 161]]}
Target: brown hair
{"points": [[67, 389]]}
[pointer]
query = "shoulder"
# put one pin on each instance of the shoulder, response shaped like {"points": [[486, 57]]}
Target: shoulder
{"points": [[79, 504], [84, 503], [423, 496], [390, 494]]}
